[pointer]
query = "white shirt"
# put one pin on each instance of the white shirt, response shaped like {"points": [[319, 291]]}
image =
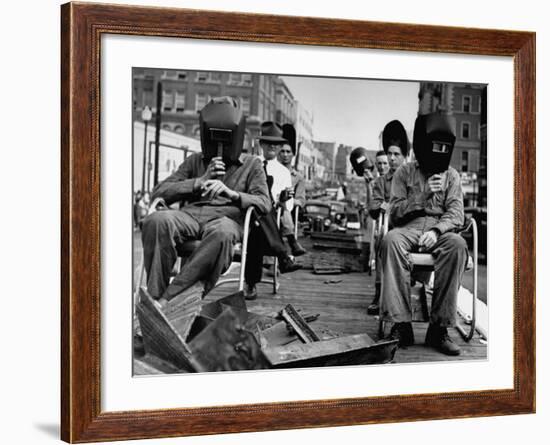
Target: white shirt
{"points": [[281, 180]]}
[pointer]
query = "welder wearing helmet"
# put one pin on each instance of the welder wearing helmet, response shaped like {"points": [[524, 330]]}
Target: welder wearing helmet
{"points": [[426, 207], [218, 184]]}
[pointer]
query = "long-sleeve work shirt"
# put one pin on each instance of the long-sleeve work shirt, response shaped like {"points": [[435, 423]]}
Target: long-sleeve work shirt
{"points": [[245, 177], [299, 187], [381, 192], [413, 205]]}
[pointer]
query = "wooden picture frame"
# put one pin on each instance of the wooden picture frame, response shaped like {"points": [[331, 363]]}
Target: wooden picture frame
{"points": [[82, 26]]}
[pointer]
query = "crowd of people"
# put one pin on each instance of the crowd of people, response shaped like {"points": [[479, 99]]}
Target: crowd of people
{"points": [[214, 189]]}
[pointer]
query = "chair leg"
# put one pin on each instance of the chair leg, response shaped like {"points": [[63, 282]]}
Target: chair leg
{"points": [[468, 336], [275, 270], [381, 329], [138, 285]]}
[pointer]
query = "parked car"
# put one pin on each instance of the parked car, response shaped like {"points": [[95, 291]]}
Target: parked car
{"points": [[338, 213], [316, 216], [353, 221]]}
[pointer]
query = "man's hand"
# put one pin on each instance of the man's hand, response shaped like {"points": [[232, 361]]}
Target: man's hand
{"points": [[427, 240], [286, 194], [212, 188], [435, 183], [215, 170], [367, 174]]}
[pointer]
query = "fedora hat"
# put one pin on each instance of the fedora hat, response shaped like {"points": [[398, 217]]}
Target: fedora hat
{"points": [[272, 132]]}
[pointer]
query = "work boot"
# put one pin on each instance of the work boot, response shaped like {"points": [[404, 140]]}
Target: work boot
{"points": [[295, 246], [288, 264], [374, 307], [250, 292], [437, 337], [403, 332]]}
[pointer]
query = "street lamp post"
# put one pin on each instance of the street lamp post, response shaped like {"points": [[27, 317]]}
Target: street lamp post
{"points": [[146, 116], [157, 132]]}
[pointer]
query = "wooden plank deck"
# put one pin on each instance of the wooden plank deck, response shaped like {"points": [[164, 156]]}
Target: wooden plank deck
{"points": [[342, 310], [341, 301]]}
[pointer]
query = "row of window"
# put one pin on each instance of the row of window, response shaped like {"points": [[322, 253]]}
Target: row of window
{"points": [[209, 77], [174, 101]]}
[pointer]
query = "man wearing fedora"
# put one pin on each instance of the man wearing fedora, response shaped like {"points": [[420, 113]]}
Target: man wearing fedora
{"points": [[265, 237]]}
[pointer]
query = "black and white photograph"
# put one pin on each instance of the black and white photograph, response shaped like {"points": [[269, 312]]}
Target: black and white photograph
{"points": [[287, 221]]}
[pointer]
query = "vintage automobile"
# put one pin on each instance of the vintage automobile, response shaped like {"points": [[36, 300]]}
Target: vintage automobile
{"points": [[338, 213], [353, 220], [316, 216]]}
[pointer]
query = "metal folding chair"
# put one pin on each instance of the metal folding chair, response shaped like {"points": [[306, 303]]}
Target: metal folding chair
{"points": [[296, 222], [426, 262], [380, 228]]}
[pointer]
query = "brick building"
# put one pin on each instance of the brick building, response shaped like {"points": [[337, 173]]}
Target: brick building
{"points": [[464, 102], [185, 92]]}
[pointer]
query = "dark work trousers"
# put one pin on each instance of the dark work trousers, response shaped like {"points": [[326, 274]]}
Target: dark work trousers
{"points": [[165, 230], [451, 255], [264, 239]]}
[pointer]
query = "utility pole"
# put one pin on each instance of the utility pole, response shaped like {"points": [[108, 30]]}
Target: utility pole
{"points": [[145, 117], [157, 132]]}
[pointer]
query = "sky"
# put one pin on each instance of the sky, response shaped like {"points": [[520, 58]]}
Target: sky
{"points": [[354, 111]]}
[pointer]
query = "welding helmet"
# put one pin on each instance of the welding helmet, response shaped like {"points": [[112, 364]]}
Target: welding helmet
{"points": [[433, 142], [222, 128], [394, 134], [289, 133], [360, 160]]}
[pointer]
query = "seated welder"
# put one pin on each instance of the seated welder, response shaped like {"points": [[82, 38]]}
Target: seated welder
{"points": [[426, 208], [217, 185], [396, 149]]}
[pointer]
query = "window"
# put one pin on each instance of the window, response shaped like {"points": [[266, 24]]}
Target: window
{"points": [[169, 74], [167, 100], [465, 130], [466, 104], [166, 127], [234, 78], [215, 77], [201, 100], [247, 79], [261, 107], [182, 75], [202, 76], [180, 101], [464, 161], [245, 105], [179, 129]]}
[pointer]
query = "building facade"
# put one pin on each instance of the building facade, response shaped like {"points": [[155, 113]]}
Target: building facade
{"points": [[185, 92], [304, 137], [324, 155], [464, 102], [343, 169], [284, 103]]}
